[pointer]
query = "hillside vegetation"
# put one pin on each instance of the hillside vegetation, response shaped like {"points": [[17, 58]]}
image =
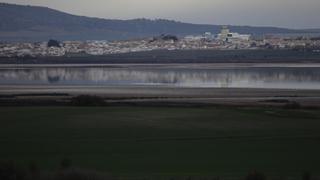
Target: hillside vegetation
{"points": [[32, 23]]}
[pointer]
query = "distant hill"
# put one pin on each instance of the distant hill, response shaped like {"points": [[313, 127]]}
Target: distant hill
{"points": [[33, 23]]}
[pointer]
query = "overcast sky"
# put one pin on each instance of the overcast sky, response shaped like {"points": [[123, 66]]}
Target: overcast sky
{"points": [[281, 13]]}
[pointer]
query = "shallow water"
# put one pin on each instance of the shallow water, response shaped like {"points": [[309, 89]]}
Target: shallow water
{"points": [[286, 77]]}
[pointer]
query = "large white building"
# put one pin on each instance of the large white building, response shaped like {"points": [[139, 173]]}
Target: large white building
{"points": [[227, 36]]}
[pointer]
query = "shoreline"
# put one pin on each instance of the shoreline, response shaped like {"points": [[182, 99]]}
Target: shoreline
{"points": [[177, 56], [143, 94], [166, 65], [164, 96]]}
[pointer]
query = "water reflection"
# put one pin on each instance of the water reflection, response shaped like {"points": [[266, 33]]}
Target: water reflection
{"points": [[280, 77]]}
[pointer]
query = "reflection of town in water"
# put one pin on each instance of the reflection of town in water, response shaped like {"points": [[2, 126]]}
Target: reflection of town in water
{"points": [[281, 77]]}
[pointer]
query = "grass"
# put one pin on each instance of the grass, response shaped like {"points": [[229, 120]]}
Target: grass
{"points": [[163, 141]]}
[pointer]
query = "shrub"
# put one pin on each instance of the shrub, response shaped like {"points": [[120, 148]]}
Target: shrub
{"points": [[306, 176], [87, 100], [33, 171], [81, 174], [9, 171], [254, 175], [292, 105]]}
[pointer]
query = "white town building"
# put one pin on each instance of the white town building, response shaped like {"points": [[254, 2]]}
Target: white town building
{"points": [[227, 36]]}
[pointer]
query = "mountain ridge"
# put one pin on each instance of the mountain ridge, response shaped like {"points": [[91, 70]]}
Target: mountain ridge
{"points": [[36, 23]]}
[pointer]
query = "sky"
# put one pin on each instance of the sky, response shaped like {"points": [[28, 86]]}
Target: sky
{"points": [[281, 13]]}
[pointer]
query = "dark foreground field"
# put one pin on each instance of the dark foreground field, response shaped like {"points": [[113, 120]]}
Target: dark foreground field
{"points": [[163, 141]]}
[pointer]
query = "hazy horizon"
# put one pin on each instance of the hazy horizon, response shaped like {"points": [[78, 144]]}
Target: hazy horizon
{"points": [[285, 13]]}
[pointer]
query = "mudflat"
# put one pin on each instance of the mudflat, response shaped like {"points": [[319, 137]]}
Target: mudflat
{"points": [[141, 94]]}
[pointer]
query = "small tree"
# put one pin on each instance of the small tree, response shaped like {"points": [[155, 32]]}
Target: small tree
{"points": [[53, 43], [169, 37]]}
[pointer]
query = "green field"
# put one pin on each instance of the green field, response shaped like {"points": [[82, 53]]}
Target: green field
{"points": [[164, 141]]}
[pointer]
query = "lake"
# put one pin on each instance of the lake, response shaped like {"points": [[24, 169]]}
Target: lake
{"points": [[202, 76]]}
